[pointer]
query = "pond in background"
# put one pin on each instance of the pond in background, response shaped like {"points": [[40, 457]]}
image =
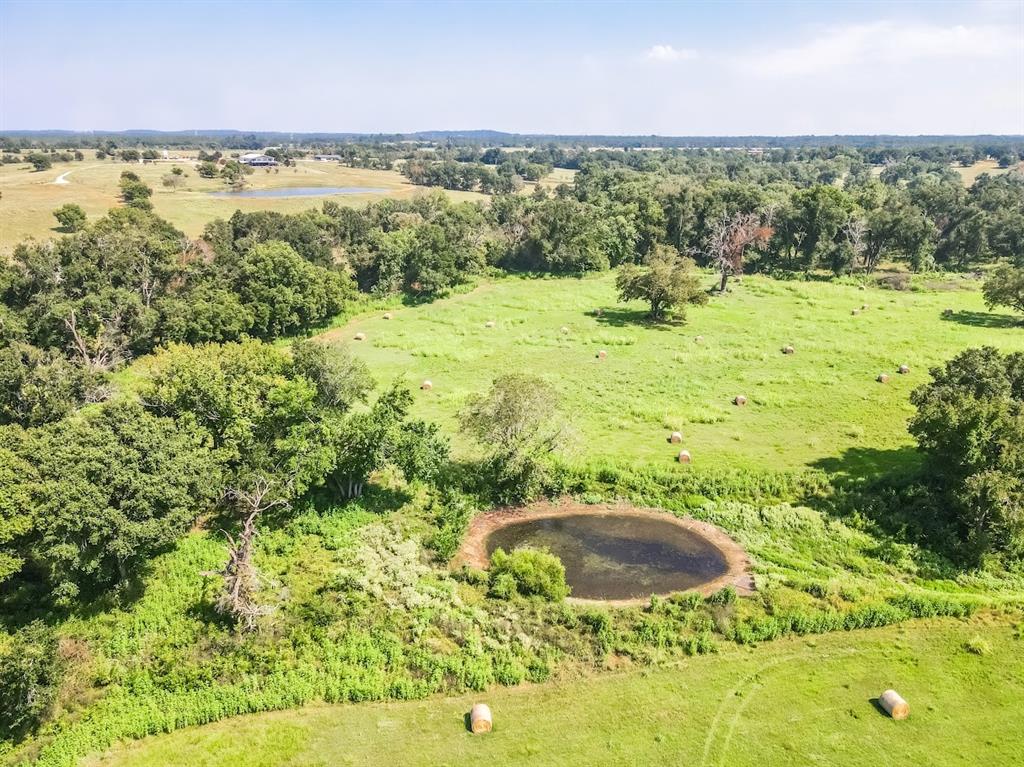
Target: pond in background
{"points": [[618, 556], [302, 191]]}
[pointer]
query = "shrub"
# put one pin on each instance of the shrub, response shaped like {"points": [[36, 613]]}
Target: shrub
{"points": [[71, 217], [724, 596], [976, 645], [452, 514], [30, 673], [529, 573]]}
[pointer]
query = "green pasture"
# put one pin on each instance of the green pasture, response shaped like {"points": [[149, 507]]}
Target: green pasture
{"points": [[821, 406]]}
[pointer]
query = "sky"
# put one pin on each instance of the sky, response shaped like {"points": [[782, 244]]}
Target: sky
{"points": [[690, 68]]}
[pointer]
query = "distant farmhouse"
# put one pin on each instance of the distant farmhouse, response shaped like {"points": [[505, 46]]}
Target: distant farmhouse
{"points": [[327, 157], [256, 159]]}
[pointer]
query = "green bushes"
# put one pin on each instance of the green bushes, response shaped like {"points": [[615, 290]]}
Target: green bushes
{"points": [[683, 491], [871, 615], [528, 573], [452, 513], [30, 673]]}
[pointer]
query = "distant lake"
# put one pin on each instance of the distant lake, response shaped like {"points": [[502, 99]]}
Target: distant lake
{"points": [[302, 191]]}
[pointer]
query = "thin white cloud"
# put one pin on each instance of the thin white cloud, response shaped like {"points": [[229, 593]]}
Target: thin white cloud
{"points": [[668, 53], [881, 42]]}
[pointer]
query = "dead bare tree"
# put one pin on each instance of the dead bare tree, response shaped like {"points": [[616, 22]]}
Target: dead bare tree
{"points": [[106, 350], [241, 579], [856, 230], [730, 238]]}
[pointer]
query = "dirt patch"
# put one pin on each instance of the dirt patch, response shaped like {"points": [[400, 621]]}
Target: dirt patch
{"points": [[473, 552]]}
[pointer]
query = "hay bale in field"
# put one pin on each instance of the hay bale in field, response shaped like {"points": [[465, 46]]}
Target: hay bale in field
{"points": [[675, 437], [863, 307], [426, 385], [699, 340], [684, 456], [480, 718], [855, 312], [904, 369], [360, 336], [602, 354], [387, 315], [882, 378], [739, 400], [894, 705], [788, 350], [599, 312], [489, 324], [861, 287], [563, 329], [947, 312]]}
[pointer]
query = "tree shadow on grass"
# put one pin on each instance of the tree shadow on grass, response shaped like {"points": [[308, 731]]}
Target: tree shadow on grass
{"points": [[867, 463], [886, 494], [621, 318], [984, 319]]}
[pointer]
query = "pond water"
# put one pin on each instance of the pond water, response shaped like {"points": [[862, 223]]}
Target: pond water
{"points": [[302, 191], [618, 556]]}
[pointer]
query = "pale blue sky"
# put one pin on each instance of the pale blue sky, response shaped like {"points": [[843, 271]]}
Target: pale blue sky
{"points": [[571, 67]]}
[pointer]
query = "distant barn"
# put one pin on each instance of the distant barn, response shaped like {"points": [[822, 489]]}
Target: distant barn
{"points": [[257, 160]]}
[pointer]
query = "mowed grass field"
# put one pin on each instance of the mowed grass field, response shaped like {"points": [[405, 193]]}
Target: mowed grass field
{"points": [[29, 198], [818, 407], [793, 702]]}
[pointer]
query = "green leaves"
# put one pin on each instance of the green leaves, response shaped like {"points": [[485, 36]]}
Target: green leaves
{"points": [[107, 490], [970, 424]]}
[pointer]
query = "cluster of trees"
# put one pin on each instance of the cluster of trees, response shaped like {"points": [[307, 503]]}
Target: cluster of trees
{"points": [[463, 176], [970, 426], [130, 282], [237, 429], [841, 221]]}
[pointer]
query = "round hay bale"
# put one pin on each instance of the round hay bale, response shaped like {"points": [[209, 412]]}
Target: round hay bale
{"points": [[739, 400], [863, 307], [564, 329], [599, 312], [788, 350], [684, 456], [387, 315], [489, 324], [882, 378], [699, 339], [602, 354], [894, 705], [480, 718], [861, 287], [426, 385], [675, 437], [904, 369], [855, 312], [360, 336], [947, 312]]}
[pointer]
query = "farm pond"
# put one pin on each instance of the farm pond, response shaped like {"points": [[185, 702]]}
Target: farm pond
{"points": [[622, 556]]}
